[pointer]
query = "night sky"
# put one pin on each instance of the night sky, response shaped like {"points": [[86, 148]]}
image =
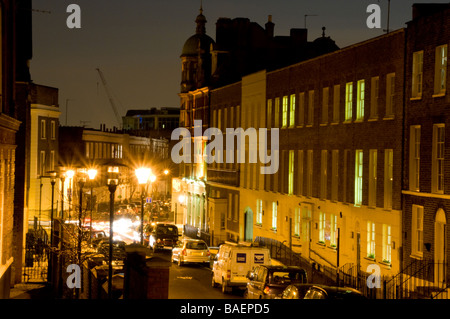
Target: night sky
{"points": [[137, 44]]}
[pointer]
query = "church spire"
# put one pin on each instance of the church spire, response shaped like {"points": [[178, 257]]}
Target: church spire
{"points": [[201, 21]]}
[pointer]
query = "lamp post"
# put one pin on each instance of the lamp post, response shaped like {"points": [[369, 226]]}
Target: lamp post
{"points": [[143, 176], [91, 173], [52, 175], [81, 182], [166, 173], [112, 182], [69, 174]]}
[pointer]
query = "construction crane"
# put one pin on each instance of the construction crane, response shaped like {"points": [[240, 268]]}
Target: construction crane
{"points": [[111, 100]]}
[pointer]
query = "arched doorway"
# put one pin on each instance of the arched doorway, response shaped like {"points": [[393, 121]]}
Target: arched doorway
{"points": [[440, 245], [248, 236]]}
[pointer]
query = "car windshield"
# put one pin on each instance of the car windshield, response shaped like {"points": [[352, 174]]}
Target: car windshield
{"points": [[166, 230], [287, 277], [196, 245]]}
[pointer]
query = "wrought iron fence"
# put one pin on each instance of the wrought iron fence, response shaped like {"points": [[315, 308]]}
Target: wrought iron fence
{"points": [[36, 256]]}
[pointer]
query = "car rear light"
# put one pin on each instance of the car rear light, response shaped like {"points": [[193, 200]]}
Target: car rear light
{"points": [[208, 253], [183, 252], [266, 290], [228, 274], [158, 240]]}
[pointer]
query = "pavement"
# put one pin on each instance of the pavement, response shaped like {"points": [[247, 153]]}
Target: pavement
{"points": [[31, 291]]}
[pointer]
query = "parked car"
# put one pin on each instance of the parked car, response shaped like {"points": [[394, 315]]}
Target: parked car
{"points": [[163, 235], [295, 291], [268, 282], [118, 249], [232, 263], [191, 251], [330, 292]]}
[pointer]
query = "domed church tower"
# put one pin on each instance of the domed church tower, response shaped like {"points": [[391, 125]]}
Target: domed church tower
{"points": [[196, 58]]}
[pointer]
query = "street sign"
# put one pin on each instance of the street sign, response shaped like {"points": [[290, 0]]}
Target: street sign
{"points": [[148, 200]]}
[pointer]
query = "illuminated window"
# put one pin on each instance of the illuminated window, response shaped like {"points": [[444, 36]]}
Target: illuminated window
{"points": [[274, 215], [322, 218], [387, 243], [440, 77], [285, 111], [349, 101], [358, 177], [370, 239], [297, 223], [292, 111], [417, 230], [259, 211], [333, 230], [291, 173], [360, 100]]}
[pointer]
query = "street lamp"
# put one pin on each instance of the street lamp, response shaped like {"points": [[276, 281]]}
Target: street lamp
{"points": [[52, 175], [69, 174], [91, 173], [166, 172], [143, 176], [112, 182]]}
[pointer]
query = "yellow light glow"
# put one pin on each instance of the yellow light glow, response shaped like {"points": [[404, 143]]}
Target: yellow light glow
{"points": [[143, 174]]}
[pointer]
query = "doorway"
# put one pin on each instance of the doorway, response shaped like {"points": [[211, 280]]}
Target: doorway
{"points": [[248, 236], [440, 243]]}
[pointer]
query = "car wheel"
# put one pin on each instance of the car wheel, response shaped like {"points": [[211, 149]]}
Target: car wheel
{"points": [[224, 286], [213, 282]]}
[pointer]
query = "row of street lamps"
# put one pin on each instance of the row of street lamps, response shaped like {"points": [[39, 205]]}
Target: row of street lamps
{"points": [[144, 175]]}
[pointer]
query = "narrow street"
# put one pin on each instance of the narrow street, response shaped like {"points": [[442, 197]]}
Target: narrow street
{"points": [[193, 281]]}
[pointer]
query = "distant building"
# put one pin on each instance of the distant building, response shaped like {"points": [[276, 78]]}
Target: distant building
{"points": [[152, 122], [42, 147], [241, 48]]}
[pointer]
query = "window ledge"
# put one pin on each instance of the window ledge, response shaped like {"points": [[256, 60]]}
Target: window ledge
{"points": [[417, 98], [334, 123], [416, 256], [370, 258], [347, 122], [386, 264], [361, 120], [299, 126], [389, 117], [309, 125], [372, 119], [439, 94], [323, 124]]}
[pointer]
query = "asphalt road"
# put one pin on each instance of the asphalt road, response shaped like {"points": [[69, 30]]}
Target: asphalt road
{"points": [[193, 281]]}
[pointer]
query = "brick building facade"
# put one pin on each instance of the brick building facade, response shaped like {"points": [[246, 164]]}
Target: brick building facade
{"points": [[426, 175]]}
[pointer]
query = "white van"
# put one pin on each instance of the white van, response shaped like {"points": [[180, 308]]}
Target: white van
{"points": [[234, 261]]}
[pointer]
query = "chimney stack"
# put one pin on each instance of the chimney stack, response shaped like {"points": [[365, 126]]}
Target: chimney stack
{"points": [[270, 27]]}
